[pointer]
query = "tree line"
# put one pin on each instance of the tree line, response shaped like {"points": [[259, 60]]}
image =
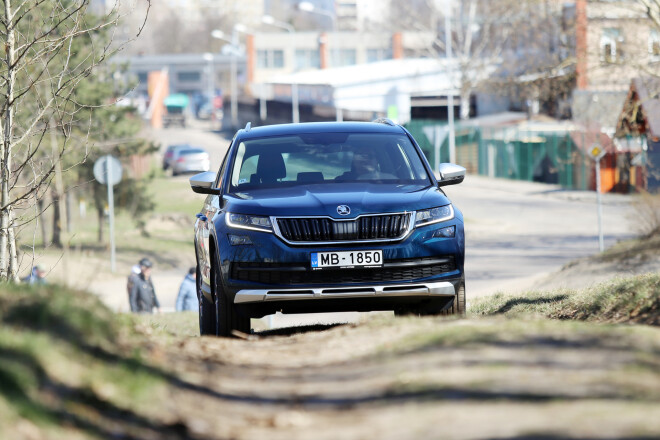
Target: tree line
{"points": [[58, 113]]}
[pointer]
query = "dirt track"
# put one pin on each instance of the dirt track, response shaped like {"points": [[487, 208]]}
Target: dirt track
{"points": [[417, 378]]}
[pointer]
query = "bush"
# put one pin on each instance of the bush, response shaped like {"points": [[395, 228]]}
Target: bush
{"points": [[646, 217]]}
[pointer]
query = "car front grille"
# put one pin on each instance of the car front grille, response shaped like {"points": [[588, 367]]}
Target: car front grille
{"points": [[286, 274], [324, 229]]}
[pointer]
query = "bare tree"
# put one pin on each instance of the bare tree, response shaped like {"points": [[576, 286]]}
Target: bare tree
{"points": [[51, 47], [492, 41]]}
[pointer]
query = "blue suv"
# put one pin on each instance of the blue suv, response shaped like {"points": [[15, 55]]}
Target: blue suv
{"points": [[326, 217]]}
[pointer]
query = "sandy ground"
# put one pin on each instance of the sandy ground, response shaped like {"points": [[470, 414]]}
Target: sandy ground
{"points": [[420, 379]]}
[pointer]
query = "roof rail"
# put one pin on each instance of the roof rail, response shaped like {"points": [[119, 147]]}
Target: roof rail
{"points": [[248, 126], [384, 121]]}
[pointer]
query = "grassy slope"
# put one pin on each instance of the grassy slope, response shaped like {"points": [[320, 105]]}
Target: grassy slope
{"points": [[71, 368], [633, 300]]}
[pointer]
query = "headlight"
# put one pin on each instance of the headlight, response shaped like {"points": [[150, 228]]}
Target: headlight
{"points": [[434, 215], [252, 222]]}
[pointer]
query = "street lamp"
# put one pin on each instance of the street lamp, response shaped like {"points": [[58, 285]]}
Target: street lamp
{"points": [[295, 111], [309, 7], [219, 35], [208, 57]]}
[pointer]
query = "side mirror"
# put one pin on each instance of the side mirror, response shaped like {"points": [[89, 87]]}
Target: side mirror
{"points": [[202, 183], [451, 174]]}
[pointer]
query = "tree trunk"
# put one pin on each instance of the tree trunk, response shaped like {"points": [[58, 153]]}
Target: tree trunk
{"points": [[57, 225], [40, 219], [465, 104], [101, 217], [13, 252], [69, 198], [6, 147]]}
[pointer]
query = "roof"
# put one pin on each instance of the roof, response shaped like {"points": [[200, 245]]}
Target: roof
{"points": [[320, 127], [585, 140], [599, 107], [369, 73]]}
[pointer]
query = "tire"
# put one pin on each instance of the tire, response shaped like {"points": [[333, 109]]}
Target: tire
{"points": [[226, 318], [206, 310], [458, 305], [455, 308]]}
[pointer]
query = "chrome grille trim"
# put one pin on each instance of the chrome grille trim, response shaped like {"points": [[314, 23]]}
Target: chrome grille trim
{"points": [[319, 228]]}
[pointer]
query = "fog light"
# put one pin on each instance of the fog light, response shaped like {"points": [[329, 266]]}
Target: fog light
{"points": [[237, 240], [447, 232]]}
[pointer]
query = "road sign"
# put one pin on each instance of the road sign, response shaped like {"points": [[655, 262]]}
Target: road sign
{"points": [[101, 170], [107, 170], [597, 152]]}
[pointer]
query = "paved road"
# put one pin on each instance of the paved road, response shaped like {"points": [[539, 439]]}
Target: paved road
{"points": [[519, 231], [516, 232]]}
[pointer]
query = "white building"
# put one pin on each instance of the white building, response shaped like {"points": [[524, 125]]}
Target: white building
{"points": [[384, 87]]}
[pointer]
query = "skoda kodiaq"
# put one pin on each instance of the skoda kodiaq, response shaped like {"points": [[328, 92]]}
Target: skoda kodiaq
{"points": [[326, 217]]}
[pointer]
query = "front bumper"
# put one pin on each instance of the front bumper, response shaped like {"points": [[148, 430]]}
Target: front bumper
{"points": [[439, 289], [270, 275]]}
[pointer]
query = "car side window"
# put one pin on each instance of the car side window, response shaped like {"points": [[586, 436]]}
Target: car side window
{"points": [[248, 168], [218, 180]]}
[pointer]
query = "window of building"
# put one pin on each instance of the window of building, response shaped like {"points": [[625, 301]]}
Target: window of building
{"points": [[188, 76], [143, 77], [611, 46], [270, 59], [307, 59], [343, 57], [374, 55], [654, 46], [278, 59]]}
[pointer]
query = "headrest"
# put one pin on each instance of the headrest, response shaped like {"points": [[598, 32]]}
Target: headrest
{"points": [[270, 167]]}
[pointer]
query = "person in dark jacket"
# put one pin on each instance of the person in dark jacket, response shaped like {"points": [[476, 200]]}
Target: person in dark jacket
{"points": [[143, 295], [187, 298], [130, 282]]}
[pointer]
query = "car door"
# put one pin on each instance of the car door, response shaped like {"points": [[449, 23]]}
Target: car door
{"points": [[205, 226]]}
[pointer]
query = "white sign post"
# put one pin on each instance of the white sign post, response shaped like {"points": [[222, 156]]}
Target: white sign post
{"points": [[597, 154], [107, 171]]}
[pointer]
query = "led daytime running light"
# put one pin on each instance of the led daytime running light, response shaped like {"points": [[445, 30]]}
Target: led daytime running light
{"points": [[434, 215], [251, 222]]}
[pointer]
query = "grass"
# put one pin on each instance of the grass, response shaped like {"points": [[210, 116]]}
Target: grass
{"points": [[624, 300], [168, 242], [71, 368], [175, 196], [631, 251]]}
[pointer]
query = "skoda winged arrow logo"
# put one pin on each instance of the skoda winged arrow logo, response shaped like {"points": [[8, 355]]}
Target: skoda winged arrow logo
{"points": [[343, 210]]}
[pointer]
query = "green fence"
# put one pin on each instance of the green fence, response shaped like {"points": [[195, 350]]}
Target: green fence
{"points": [[508, 152]]}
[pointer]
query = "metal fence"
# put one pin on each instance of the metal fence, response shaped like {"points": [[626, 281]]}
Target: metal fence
{"points": [[509, 152]]}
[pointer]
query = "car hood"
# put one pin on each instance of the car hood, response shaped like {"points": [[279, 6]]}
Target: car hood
{"points": [[317, 200]]}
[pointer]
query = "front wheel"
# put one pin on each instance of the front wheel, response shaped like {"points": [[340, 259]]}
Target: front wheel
{"points": [[206, 310], [458, 305], [226, 317]]}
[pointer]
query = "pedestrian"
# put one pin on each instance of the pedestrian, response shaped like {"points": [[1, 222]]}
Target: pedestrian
{"points": [[132, 279], [37, 275], [187, 298], [143, 295]]}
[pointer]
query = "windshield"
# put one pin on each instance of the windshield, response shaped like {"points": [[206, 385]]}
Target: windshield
{"points": [[323, 158]]}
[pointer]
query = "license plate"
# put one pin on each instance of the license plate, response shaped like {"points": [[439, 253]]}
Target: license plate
{"points": [[347, 259]]}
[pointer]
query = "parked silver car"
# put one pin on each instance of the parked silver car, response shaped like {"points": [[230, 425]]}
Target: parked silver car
{"points": [[188, 160], [168, 157]]}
